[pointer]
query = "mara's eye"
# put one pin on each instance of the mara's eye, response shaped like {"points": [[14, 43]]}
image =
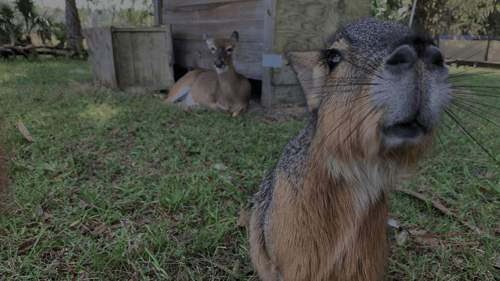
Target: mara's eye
{"points": [[229, 50], [333, 57]]}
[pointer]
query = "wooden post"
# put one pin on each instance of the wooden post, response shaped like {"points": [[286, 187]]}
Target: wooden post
{"points": [[158, 11], [267, 78], [487, 49]]}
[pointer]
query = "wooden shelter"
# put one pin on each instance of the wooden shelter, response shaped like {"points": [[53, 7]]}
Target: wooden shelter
{"points": [[267, 29], [125, 57]]}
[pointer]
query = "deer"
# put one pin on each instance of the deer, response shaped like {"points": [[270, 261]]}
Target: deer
{"points": [[224, 89]]}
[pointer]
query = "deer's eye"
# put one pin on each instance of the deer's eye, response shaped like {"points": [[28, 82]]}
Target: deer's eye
{"points": [[229, 49], [212, 48]]}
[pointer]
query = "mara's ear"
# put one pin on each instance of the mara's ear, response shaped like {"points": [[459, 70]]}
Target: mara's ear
{"points": [[207, 39], [235, 36], [311, 74]]}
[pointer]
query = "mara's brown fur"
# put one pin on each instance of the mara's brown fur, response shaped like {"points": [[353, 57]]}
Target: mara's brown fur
{"points": [[376, 96], [224, 89]]}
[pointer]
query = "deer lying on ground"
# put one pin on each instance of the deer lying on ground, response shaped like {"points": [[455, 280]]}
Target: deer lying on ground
{"points": [[376, 94], [223, 90]]}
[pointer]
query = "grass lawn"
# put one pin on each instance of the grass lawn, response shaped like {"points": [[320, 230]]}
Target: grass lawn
{"points": [[118, 186]]}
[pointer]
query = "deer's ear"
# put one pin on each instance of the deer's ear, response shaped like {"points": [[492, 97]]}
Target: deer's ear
{"points": [[208, 40], [235, 36], [311, 74]]}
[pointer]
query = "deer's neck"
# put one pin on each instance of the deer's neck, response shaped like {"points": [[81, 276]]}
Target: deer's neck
{"points": [[227, 74]]}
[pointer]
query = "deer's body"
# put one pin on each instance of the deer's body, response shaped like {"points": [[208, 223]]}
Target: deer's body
{"points": [[376, 96], [224, 89]]}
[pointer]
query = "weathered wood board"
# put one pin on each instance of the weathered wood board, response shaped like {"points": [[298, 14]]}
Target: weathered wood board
{"points": [[100, 43], [176, 3], [132, 57]]}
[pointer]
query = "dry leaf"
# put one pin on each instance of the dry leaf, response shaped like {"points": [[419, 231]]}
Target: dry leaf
{"points": [[393, 223], [433, 242], [220, 166], [497, 263], [175, 224], [39, 210], [24, 131], [141, 222], [418, 232], [82, 204], [402, 238], [50, 170], [25, 246], [179, 217], [100, 229], [64, 166]]}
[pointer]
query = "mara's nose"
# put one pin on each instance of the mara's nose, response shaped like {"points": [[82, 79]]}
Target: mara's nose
{"points": [[402, 59]]}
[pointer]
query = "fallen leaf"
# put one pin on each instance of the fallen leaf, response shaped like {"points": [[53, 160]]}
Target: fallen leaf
{"points": [[25, 246], [25, 131], [39, 210], [64, 166], [220, 166], [136, 247], [141, 222], [179, 217], [82, 204], [393, 223], [185, 237], [100, 229], [418, 232], [50, 170], [434, 242], [497, 263], [402, 238], [174, 224]]}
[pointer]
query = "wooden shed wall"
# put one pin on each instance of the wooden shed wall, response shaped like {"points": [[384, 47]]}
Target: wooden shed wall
{"points": [[218, 18], [302, 26], [265, 26]]}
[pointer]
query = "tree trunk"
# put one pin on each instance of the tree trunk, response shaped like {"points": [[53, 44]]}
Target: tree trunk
{"points": [[73, 27]]}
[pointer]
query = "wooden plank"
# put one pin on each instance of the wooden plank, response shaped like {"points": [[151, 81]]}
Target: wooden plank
{"points": [[168, 63], [247, 58], [124, 60], [138, 29], [100, 45], [160, 53], [215, 13], [179, 3], [140, 52], [249, 31], [287, 94], [267, 88]]}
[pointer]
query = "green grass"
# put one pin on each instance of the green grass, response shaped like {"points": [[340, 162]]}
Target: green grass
{"points": [[118, 186], [129, 162]]}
